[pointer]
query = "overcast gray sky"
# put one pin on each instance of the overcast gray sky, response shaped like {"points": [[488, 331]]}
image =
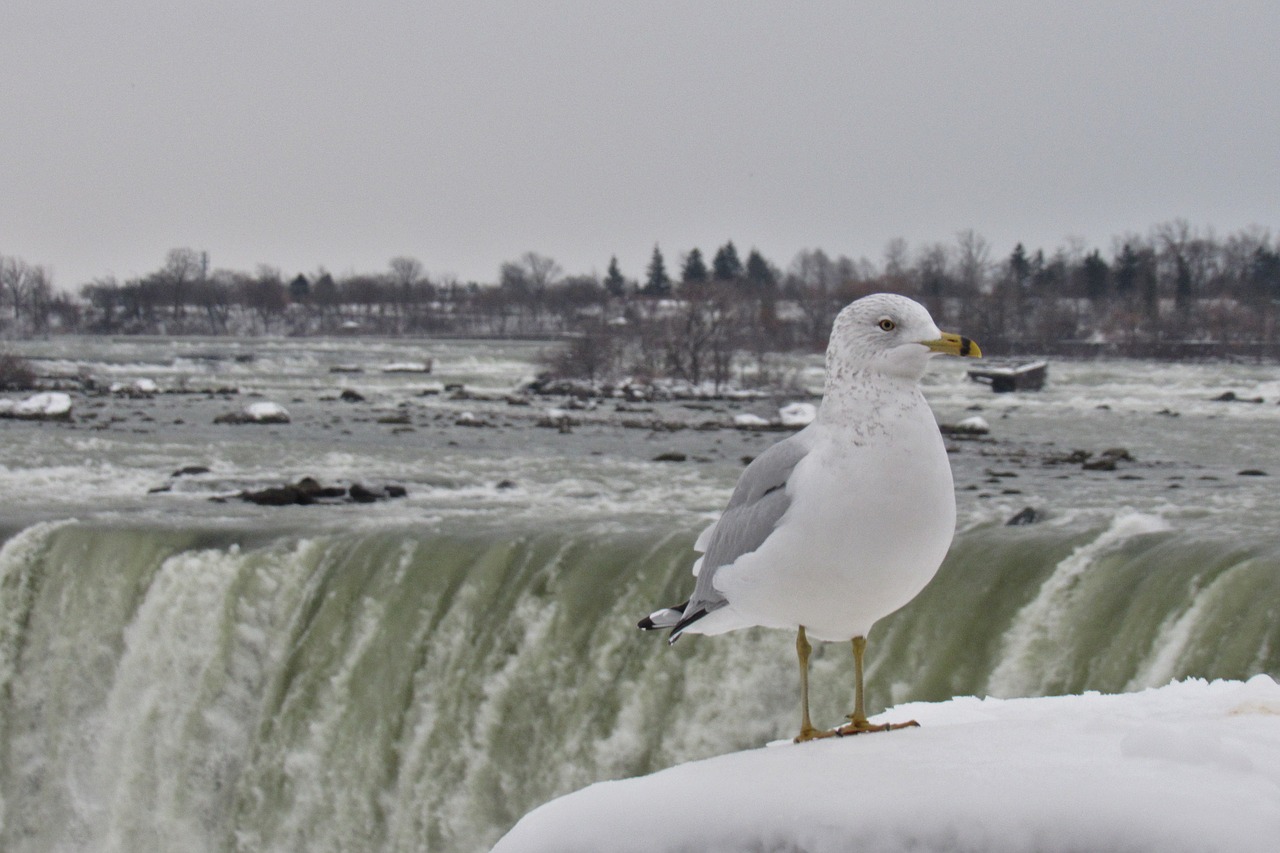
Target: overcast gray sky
{"points": [[303, 133]]}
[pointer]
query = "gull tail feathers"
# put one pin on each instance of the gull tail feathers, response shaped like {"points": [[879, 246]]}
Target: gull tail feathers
{"points": [[676, 618], [668, 617]]}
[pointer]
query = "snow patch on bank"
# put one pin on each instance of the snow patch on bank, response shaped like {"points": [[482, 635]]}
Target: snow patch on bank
{"points": [[1193, 766]]}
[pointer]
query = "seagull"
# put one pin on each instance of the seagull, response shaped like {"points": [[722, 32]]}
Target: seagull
{"points": [[844, 522]]}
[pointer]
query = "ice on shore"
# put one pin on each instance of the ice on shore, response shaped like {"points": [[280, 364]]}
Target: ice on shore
{"points": [[267, 412], [797, 414], [261, 412], [974, 423], [407, 367], [48, 405], [746, 420], [139, 387], [1193, 766]]}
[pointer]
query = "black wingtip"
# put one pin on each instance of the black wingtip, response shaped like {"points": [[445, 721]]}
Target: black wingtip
{"points": [[685, 623], [669, 617]]}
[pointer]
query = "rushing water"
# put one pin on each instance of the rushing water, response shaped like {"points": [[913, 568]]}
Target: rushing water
{"points": [[178, 673]]}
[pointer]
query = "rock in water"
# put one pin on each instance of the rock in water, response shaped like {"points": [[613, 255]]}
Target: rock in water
{"points": [[1026, 516]]}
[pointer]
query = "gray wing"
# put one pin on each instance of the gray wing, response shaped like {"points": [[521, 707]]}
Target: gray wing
{"points": [[759, 500]]}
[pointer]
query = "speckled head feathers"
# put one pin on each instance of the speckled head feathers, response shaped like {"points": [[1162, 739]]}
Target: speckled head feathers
{"points": [[883, 332]]}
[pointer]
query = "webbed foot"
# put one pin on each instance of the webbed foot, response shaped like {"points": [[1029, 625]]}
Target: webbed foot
{"points": [[809, 733], [862, 727]]}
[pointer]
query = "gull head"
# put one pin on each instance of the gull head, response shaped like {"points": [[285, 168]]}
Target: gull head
{"points": [[891, 335]]}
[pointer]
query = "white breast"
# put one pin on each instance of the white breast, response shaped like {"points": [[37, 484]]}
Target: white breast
{"points": [[872, 516]]}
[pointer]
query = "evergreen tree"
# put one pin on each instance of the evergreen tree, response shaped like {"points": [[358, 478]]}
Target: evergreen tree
{"points": [[1040, 279], [299, 289], [760, 274], [1183, 286], [1126, 271], [695, 269], [1149, 283], [1264, 273], [657, 282], [326, 291], [1019, 266], [1050, 274], [1097, 276], [726, 266], [614, 283]]}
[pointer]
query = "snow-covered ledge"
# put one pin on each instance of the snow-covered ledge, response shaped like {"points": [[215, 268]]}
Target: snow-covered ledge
{"points": [[1193, 766]]}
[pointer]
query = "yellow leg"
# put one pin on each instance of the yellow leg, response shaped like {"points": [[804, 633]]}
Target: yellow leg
{"points": [[858, 722], [859, 715], [807, 731]]}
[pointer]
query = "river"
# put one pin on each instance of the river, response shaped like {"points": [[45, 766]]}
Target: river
{"points": [[182, 670]]}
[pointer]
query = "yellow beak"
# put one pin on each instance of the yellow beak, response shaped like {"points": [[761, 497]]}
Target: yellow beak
{"points": [[950, 344]]}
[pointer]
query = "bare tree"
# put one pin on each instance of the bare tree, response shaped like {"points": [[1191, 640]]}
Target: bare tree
{"points": [[29, 291], [103, 295], [973, 261], [366, 291], [526, 281], [264, 294], [326, 299], [897, 260], [1173, 240], [15, 281], [182, 269], [405, 271], [691, 333], [215, 294], [812, 283], [934, 265], [404, 276], [39, 299]]}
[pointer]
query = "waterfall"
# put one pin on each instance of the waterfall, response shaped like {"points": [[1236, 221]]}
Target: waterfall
{"points": [[398, 690]]}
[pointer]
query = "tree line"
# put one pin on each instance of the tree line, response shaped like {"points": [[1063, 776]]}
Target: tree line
{"points": [[1176, 290]]}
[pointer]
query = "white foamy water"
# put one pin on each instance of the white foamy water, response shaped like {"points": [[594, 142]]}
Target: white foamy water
{"points": [[1188, 449], [180, 669]]}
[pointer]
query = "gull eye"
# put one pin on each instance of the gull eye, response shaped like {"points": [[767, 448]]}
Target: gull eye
{"points": [[887, 325]]}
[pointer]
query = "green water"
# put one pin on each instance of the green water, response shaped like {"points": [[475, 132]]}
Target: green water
{"points": [[216, 690]]}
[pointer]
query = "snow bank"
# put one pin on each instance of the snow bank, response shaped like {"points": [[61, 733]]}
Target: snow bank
{"points": [[262, 412], [47, 406], [1193, 766], [797, 414], [407, 367], [267, 412], [139, 388], [746, 420]]}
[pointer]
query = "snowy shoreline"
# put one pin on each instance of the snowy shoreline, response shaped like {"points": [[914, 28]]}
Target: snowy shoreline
{"points": [[1191, 766]]}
